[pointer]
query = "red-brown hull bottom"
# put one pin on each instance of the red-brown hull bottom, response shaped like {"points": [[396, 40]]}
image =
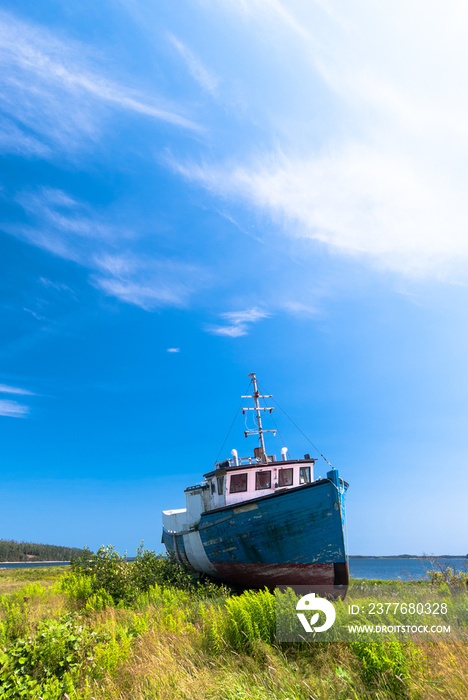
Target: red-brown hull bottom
{"points": [[258, 575]]}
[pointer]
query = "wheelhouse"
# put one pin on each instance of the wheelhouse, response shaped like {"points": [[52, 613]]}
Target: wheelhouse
{"points": [[232, 483]]}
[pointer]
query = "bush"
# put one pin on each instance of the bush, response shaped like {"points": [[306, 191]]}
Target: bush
{"points": [[123, 582], [449, 576], [43, 665], [105, 570], [150, 569], [99, 601], [80, 587]]}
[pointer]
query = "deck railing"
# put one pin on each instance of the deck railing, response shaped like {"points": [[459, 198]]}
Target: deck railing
{"points": [[240, 461]]}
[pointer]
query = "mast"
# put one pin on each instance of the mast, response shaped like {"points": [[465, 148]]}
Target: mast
{"points": [[258, 410]]}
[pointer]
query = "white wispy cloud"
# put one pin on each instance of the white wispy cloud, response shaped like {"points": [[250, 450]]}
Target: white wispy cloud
{"points": [[14, 140], [159, 290], [116, 265], [356, 201], [237, 322], [114, 254], [63, 226], [34, 314], [299, 308], [267, 11], [51, 89], [147, 282], [60, 212], [58, 286], [6, 389], [173, 349], [388, 182], [12, 409], [204, 77]]}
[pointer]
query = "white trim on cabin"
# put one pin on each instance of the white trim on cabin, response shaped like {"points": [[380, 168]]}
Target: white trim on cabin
{"points": [[216, 493], [254, 483]]}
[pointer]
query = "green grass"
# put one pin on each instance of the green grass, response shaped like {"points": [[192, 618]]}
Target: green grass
{"points": [[13, 579], [150, 631]]}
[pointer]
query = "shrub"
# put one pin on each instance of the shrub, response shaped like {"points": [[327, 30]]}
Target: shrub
{"points": [[106, 570], [99, 601], [124, 582], [44, 664], [449, 576], [150, 569], [80, 587]]}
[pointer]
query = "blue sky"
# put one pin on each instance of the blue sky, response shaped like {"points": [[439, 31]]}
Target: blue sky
{"points": [[191, 192]]}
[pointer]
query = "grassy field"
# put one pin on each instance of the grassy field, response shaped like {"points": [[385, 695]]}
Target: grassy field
{"points": [[148, 630]]}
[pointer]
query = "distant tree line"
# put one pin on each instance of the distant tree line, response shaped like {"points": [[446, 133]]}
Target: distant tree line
{"points": [[10, 550]]}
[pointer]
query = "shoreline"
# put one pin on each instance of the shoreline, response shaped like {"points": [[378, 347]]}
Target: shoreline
{"points": [[408, 556], [36, 561]]}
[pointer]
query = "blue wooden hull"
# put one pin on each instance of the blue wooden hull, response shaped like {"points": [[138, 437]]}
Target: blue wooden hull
{"points": [[295, 536]]}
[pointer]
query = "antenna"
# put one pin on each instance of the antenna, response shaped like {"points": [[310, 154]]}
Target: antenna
{"points": [[258, 409]]}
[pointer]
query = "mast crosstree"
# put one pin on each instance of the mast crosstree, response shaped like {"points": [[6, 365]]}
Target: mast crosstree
{"points": [[258, 410]]}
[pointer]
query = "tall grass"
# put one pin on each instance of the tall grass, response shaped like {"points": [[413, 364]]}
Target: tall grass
{"points": [[177, 638], [241, 622]]}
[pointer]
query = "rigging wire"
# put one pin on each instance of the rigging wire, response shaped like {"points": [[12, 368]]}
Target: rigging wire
{"points": [[229, 431], [274, 423], [298, 428]]}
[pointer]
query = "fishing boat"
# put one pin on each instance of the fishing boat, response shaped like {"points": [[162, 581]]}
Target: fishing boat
{"points": [[258, 521]]}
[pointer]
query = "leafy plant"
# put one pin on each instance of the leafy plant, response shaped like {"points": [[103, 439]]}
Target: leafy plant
{"points": [[241, 622], [449, 576], [15, 620], [99, 601], [150, 569], [124, 582], [79, 587], [386, 664], [106, 570], [45, 662]]}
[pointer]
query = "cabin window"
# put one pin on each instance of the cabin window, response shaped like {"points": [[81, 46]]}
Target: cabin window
{"points": [[263, 480], [285, 477], [304, 475], [220, 480], [238, 483]]}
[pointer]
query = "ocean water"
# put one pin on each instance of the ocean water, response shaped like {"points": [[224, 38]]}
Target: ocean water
{"points": [[35, 564], [388, 568], [30, 565], [385, 568]]}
